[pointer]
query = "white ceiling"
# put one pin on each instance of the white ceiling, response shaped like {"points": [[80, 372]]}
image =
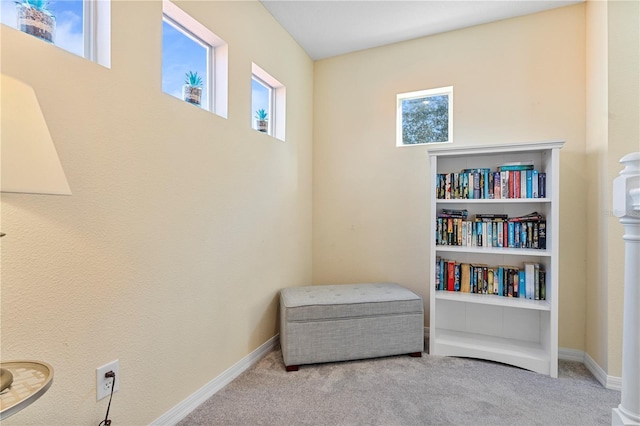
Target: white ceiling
{"points": [[331, 28]]}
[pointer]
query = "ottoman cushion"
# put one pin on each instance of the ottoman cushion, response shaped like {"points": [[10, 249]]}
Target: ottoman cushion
{"points": [[311, 303]]}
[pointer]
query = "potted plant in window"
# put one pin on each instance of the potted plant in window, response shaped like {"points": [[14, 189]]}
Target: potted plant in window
{"points": [[192, 89], [35, 18], [261, 120]]}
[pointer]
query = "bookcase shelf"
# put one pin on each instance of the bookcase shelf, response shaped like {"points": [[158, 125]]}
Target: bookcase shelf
{"points": [[495, 201], [490, 299], [494, 250], [512, 330]]}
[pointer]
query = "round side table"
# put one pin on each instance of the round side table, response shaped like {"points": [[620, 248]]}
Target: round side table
{"points": [[31, 379]]}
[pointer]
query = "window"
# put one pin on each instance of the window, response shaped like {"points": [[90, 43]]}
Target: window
{"points": [[191, 50], [261, 103], [81, 27], [268, 102], [424, 117]]}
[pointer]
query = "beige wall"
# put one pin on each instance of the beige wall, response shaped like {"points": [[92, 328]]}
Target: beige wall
{"points": [[613, 98], [598, 182], [516, 80], [623, 138], [182, 226]]}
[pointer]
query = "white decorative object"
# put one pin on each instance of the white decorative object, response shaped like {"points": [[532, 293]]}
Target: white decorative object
{"points": [[626, 207], [515, 331]]}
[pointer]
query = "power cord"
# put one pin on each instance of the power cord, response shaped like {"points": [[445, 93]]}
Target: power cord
{"points": [[106, 421]]}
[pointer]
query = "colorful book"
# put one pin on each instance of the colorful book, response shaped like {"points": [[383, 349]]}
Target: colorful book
{"points": [[465, 278], [529, 270]]}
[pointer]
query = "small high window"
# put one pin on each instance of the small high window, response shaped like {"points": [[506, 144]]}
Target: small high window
{"points": [[268, 103], [194, 61], [424, 117], [81, 27]]}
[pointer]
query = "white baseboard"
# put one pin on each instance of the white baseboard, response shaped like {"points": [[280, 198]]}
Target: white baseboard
{"points": [[185, 407], [609, 382], [571, 355]]}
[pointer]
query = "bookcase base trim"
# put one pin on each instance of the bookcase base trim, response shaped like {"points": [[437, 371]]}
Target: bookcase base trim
{"points": [[527, 355]]}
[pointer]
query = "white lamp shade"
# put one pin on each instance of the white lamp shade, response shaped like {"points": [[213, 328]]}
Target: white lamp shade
{"points": [[29, 161]]}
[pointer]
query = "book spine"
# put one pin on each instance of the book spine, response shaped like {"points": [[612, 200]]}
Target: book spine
{"points": [[529, 270], [510, 273], [542, 185], [542, 234], [534, 184], [529, 186], [504, 183], [456, 275], [485, 279], [485, 235], [476, 185], [536, 281], [490, 185], [451, 277], [465, 185], [516, 184], [474, 279], [523, 184], [490, 281], [465, 278], [497, 186], [511, 235], [505, 233], [485, 185], [521, 284], [516, 167]]}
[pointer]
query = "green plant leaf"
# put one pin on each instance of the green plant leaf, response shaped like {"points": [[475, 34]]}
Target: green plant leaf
{"points": [[261, 114]]}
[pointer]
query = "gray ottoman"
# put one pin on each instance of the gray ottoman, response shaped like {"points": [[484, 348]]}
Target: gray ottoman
{"points": [[351, 321]]}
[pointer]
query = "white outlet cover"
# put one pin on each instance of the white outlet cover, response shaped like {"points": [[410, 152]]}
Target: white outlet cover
{"points": [[103, 384]]}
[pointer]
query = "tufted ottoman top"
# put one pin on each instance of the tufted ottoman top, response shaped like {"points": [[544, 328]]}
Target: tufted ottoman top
{"points": [[322, 302]]}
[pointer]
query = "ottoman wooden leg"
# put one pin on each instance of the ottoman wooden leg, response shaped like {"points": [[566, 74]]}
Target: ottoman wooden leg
{"points": [[415, 354], [292, 368]]}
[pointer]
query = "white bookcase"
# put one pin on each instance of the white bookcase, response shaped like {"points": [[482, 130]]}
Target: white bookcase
{"points": [[515, 331]]}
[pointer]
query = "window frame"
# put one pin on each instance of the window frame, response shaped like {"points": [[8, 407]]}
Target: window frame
{"points": [[424, 94], [96, 32], [217, 55], [271, 113], [210, 59], [277, 102]]}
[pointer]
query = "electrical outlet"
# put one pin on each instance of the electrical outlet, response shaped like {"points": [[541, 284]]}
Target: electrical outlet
{"points": [[103, 384]]}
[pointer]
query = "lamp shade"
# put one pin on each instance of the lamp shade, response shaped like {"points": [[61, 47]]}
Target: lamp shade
{"points": [[29, 161]]}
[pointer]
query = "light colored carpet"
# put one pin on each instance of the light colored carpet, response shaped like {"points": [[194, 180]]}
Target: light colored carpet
{"points": [[401, 390]]}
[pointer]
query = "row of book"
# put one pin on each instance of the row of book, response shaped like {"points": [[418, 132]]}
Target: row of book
{"points": [[528, 281], [516, 181], [453, 228]]}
